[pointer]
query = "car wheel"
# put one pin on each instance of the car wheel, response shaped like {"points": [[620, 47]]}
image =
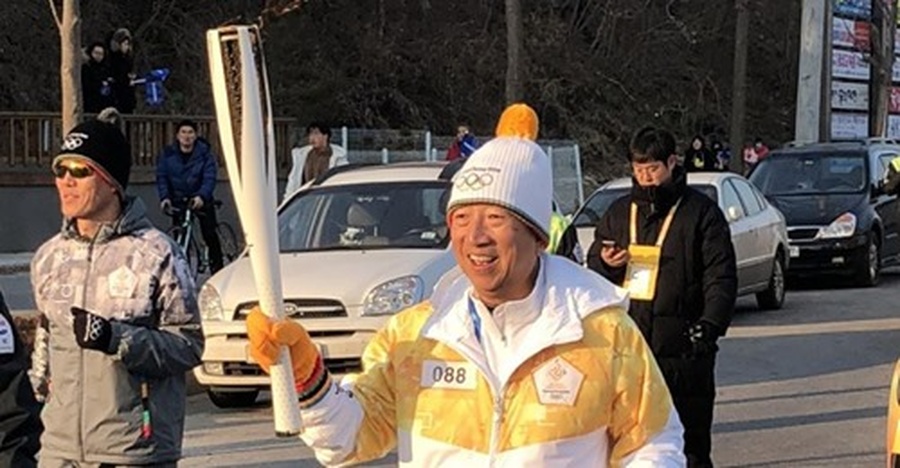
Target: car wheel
{"points": [[233, 399], [870, 272], [773, 296]]}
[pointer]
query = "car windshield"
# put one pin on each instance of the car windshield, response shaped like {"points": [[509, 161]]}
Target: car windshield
{"points": [[397, 215], [597, 205], [804, 174]]}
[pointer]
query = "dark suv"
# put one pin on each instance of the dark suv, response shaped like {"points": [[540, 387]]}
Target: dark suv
{"points": [[839, 219]]}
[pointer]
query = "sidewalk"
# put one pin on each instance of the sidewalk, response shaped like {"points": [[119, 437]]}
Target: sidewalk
{"points": [[12, 263]]}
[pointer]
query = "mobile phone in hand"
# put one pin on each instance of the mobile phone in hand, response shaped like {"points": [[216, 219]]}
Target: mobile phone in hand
{"points": [[609, 243]]}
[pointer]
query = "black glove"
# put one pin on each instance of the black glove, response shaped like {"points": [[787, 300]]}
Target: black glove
{"points": [[91, 330], [703, 337]]}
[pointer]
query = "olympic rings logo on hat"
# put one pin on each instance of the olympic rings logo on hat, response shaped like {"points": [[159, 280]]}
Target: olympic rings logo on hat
{"points": [[473, 181], [73, 141]]}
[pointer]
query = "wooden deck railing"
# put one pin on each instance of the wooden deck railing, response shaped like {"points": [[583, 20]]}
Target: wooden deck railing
{"points": [[30, 140]]}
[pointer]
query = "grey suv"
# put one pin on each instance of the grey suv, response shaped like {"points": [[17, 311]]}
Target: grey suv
{"points": [[839, 219]]}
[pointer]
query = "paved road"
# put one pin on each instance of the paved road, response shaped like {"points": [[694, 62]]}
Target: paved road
{"points": [[17, 291], [802, 387]]}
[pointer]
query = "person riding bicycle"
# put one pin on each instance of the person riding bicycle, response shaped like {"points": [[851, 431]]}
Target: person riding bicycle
{"points": [[186, 178]]}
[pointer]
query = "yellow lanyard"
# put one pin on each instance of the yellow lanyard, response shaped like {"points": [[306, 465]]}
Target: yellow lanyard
{"points": [[632, 233]]}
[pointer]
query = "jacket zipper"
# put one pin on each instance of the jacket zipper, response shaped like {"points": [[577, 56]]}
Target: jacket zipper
{"points": [[497, 422], [87, 285]]}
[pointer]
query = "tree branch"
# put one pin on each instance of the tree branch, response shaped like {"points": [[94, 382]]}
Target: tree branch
{"points": [[55, 14]]}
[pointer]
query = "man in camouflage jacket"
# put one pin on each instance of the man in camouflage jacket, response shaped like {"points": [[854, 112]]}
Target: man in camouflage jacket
{"points": [[122, 316]]}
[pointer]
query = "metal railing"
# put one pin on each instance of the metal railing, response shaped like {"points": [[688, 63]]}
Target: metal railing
{"points": [[32, 138]]}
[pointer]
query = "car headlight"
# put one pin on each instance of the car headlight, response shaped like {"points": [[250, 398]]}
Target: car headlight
{"points": [[843, 226], [393, 296], [210, 303]]}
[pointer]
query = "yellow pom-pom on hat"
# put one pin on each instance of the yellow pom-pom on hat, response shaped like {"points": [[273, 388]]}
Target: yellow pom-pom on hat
{"points": [[518, 120]]}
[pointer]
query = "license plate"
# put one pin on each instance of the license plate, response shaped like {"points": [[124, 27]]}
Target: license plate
{"points": [[794, 251]]}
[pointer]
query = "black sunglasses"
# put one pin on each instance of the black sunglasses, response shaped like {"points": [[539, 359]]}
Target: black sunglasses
{"points": [[77, 172]]}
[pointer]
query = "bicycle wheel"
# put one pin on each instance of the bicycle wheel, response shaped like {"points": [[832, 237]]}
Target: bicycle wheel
{"points": [[228, 239], [192, 255]]}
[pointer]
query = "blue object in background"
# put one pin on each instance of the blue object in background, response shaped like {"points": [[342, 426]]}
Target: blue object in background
{"points": [[154, 92]]}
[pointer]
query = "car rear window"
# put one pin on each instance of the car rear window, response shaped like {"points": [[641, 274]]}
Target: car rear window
{"points": [[366, 216], [594, 208], [811, 173]]}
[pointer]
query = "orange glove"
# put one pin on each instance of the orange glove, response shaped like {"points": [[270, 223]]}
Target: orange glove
{"points": [[266, 337]]}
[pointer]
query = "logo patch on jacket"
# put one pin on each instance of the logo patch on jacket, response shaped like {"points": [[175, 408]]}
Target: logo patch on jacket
{"points": [[7, 340], [122, 283], [557, 382]]}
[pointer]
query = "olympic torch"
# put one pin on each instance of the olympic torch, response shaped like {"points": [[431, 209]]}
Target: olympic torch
{"points": [[244, 115]]}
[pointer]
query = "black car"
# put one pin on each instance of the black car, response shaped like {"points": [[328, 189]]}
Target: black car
{"points": [[839, 219]]}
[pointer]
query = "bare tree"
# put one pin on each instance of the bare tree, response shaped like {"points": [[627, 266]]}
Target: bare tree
{"points": [[739, 90], [70, 61], [514, 52], [882, 40]]}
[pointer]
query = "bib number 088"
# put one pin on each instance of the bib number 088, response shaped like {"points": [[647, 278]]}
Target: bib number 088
{"points": [[449, 374], [444, 374]]}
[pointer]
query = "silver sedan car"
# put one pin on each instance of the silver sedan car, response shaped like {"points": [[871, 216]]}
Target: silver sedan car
{"points": [[758, 229]]}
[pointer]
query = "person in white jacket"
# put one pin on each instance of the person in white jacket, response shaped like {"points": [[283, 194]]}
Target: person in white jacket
{"points": [[519, 358], [312, 160]]}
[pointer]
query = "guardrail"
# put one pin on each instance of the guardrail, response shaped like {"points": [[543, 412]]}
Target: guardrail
{"points": [[31, 140]]}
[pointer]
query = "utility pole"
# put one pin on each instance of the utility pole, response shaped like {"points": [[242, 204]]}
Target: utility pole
{"points": [[812, 73], [514, 52], [882, 62], [739, 86]]}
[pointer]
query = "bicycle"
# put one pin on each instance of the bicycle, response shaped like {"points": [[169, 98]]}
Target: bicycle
{"points": [[192, 246]]}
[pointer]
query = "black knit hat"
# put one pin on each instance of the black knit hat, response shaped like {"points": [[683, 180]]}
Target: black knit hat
{"points": [[102, 145]]}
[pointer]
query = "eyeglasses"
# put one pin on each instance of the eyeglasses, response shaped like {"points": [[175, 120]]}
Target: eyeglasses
{"points": [[76, 170]]}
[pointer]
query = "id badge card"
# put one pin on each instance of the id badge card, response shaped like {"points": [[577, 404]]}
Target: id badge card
{"points": [[642, 271]]}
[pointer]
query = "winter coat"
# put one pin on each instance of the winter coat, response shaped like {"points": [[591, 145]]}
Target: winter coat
{"points": [[121, 67], [178, 177], [582, 390], [701, 160], [462, 148], [299, 155], [96, 90], [135, 276], [20, 413], [697, 275]]}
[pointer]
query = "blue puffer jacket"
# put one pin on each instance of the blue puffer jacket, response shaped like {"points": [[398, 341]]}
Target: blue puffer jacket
{"points": [[178, 178]]}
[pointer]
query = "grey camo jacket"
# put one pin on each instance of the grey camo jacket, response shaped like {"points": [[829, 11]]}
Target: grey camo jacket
{"points": [[134, 275]]}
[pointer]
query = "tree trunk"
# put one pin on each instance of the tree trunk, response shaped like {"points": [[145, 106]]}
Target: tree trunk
{"points": [[739, 86], [70, 64], [882, 47], [514, 52]]}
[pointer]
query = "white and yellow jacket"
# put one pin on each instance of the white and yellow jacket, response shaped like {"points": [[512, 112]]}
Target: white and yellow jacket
{"points": [[583, 390]]}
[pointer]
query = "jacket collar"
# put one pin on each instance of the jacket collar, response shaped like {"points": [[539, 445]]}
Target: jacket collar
{"points": [[133, 218], [658, 199], [568, 294]]}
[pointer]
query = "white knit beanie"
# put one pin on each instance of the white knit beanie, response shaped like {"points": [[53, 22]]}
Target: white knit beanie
{"points": [[510, 171]]}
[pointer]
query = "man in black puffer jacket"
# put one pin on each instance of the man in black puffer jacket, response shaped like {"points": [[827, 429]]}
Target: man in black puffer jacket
{"points": [[20, 420], [690, 304]]}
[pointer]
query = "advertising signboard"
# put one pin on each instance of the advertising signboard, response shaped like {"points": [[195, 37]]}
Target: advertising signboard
{"points": [[850, 65], [849, 96], [849, 126]]}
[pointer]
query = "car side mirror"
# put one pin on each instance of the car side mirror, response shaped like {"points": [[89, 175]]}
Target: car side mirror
{"points": [[733, 214], [878, 189]]}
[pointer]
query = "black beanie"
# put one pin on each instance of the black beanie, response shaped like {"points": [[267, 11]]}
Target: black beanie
{"points": [[103, 145]]}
